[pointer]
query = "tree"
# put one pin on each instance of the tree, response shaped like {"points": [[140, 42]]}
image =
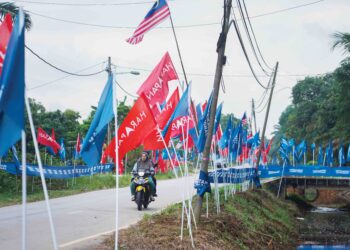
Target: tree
{"points": [[8, 7], [342, 41]]}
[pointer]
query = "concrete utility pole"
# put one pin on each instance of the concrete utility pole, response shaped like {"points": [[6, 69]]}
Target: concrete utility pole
{"points": [[221, 61], [262, 141]]}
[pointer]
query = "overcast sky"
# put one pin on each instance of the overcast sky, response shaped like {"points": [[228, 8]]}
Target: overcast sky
{"points": [[300, 39]]}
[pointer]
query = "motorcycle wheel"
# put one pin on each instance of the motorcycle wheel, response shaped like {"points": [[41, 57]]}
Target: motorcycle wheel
{"points": [[138, 200]]}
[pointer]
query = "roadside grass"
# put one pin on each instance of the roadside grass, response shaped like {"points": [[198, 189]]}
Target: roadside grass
{"points": [[249, 220], [61, 188]]}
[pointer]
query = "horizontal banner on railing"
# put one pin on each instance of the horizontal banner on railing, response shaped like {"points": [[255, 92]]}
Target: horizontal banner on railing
{"points": [[240, 174], [58, 172]]}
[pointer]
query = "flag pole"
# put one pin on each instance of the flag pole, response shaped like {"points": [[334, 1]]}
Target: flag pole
{"points": [[24, 191], [115, 109], [41, 170]]}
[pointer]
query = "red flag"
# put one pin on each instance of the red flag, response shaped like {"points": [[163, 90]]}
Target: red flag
{"points": [[133, 129], [46, 140], [154, 140], [156, 87], [5, 34], [78, 145], [180, 124]]}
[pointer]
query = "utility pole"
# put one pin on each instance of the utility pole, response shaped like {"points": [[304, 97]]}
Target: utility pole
{"points": [[221, 61], [262, 141], [253, 113]]}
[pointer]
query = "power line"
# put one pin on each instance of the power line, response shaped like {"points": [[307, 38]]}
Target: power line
{"points": [[253, 33], [82, 4], [64, 77], [226, 75], [248, 35], [245, 53], [125, 91], [59, 69], [169, 27]]}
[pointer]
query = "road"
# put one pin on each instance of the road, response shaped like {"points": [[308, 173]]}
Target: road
{"points": [[80, 218]]}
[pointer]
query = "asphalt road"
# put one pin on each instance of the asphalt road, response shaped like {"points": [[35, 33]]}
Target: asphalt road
{"points": [[80, 218]]}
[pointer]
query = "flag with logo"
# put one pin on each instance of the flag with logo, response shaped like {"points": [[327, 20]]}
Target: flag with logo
{"points": [[155, 87], [132, 131], [12, 85]]}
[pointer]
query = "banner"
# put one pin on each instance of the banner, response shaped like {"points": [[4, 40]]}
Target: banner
{"points": [[241, 174], [58, 172]]}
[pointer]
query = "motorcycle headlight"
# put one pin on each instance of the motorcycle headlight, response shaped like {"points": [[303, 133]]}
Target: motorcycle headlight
{"points": [[141, 174]]}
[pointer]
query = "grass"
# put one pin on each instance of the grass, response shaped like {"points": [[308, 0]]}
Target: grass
{"points": [[61, 188], [250, 220]]}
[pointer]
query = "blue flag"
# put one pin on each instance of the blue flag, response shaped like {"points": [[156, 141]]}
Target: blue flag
{"points": [[199, 112], [182, 108], [217, 118], [12, 88], [223, 143], [341, 156], [91, 150], [204, 126], [320, 156], [62, 152]]}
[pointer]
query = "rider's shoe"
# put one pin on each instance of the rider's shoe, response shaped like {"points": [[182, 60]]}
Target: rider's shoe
{"points": [[155, 195], [152, 198], [132, 197]]}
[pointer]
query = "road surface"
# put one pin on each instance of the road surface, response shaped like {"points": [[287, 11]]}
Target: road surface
{"points": [[80, 218]]}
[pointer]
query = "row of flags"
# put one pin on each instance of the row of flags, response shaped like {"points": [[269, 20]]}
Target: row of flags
{"points": [[152, 121], [293, 153]]}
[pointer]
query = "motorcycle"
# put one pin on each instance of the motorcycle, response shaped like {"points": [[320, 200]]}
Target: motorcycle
{"points": [[142, 189]]}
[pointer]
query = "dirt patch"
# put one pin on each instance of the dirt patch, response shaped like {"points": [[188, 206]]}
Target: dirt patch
{"points": [[250, 220]]}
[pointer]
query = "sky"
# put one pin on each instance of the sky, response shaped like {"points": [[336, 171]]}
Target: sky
{"points": [[299, 39]]}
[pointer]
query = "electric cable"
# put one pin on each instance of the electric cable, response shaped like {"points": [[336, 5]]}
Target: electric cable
{"points": [[254, 37], [64, 77], [249, 37], [125, 91], [246, 55], [82, 4], [59, 69], [169, 27]]}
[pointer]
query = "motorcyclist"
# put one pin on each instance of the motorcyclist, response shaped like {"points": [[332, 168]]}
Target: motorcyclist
{"points": [[145, 164]]}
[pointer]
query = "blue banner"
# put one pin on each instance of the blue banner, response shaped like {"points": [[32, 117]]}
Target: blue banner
{"points": [[202, 184], [241, 174], [58, 172]]}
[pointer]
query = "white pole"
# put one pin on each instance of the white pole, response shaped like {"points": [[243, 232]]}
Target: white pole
{"points": [[41, 170], [313, 157], [293, 156], [24, 191], [115, 109], [279, 188]]}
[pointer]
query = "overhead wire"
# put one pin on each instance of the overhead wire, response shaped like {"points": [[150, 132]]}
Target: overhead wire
{"points": [[245, 52], [59, 69], [245, 26], [82, 4], [64, 77], [125, 91], [254, 37], [169, 27]]}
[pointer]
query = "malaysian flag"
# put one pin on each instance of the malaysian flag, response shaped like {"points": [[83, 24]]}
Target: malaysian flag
{"points": [[159, 12]]}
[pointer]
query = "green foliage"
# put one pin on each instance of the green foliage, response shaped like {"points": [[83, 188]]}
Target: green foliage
{"points": [[8, 7], [320, 109]]}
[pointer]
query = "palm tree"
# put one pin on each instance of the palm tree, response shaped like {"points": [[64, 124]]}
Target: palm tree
{"points": [[342, 41], [7, 7]]}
